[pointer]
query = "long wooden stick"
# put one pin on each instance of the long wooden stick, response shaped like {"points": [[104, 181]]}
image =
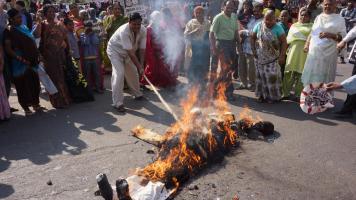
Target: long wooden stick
{"points": [[161, 99]]}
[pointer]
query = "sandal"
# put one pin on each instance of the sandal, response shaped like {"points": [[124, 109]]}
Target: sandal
{"points": [[38, 108], [28, 113]]}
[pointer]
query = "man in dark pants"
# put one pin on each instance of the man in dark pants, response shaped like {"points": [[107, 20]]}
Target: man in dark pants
{"points": [[223, 42], [349, 85], [349, 106]]}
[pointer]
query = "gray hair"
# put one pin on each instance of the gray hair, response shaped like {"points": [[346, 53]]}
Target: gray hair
{"points": [[155, 17]]}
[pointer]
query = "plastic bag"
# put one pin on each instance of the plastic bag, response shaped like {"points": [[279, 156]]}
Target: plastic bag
{"points": [[315, 98], [45, 80]]}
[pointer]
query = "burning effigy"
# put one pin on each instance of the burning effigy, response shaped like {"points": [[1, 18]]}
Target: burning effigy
{"points": [[202, 136]]}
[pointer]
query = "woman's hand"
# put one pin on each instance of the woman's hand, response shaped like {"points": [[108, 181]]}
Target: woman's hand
{"points": [[281, 60], [326, 35], [329, 36], [306, 47]]}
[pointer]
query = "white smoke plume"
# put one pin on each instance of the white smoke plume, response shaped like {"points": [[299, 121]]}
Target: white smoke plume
{"points": [[168, 31]]}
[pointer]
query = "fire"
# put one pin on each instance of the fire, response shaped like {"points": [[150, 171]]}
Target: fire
{"points": [[246, 115], [193, 121]]}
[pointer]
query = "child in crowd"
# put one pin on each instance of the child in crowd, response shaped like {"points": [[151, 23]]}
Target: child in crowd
{"points": [[89, 42], [296, 57], [72, 40]]}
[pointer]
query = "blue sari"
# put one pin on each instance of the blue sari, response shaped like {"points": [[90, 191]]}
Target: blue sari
{"points": [[18, 68]]}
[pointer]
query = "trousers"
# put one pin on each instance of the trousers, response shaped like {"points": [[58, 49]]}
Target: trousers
{"points": [[226, 55], [123, 68], [247, 69], [349, 105], [91, 67]]}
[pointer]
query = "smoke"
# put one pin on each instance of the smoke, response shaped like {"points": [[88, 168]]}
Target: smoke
{"points": [[168, 28]]}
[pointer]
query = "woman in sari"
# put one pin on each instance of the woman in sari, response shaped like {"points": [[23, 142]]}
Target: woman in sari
{"points": [[296, 57], [53, 50], [327, 30], [157, 70], [110, 25], [197, 32], [4, 103], [269, 46], [23, 56]]}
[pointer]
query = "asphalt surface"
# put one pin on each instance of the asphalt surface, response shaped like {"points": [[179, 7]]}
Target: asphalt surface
{"points": [[311, 157]]}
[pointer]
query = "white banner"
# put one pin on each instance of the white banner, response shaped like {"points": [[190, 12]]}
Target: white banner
{"points": [[132, 6]]}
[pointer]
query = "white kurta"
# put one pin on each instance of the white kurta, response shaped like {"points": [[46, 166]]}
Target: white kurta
{"points": [[320, 66]]}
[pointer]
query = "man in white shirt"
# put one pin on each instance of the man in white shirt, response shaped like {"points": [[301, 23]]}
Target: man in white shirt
{"points": [[349, 106], [122, 51]]}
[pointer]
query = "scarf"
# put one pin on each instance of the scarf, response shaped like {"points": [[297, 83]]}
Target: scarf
{"points": [[299, 32], [24, 30]]}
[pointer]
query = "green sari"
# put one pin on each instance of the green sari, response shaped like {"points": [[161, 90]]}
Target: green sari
{"points": [[296, 39], [296, 57], [110, 24]]}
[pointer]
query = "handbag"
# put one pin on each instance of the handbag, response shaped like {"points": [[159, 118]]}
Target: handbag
{"points": [[45, 80]]}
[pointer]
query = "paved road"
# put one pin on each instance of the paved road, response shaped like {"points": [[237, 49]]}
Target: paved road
{"points": [[313, 158]]}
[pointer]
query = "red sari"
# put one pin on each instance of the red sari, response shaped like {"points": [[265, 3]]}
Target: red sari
{"points": [[156, 70]]}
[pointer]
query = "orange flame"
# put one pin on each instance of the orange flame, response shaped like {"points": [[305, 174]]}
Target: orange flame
{"points": [[246, 115], [181, 156]]}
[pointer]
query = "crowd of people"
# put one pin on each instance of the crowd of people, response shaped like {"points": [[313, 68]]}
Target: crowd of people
{"points": [[273, 48]]}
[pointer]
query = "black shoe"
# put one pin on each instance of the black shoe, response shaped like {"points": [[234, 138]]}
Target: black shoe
{"points": [[120, 109], [139, 98], [343, 114], [12, 110]]}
